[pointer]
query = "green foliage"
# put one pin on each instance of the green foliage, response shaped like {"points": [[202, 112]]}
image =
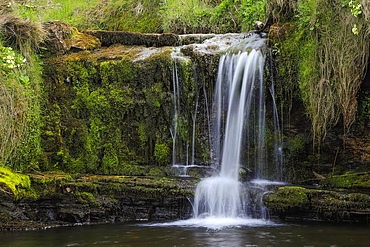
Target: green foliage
{"points": [[20, 111], [9, 60], [252, 11]]}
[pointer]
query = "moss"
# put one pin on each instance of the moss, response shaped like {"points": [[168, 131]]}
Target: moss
{"points": [[19, 184], [110, 112], [322, 204], [349, 180], [162, 154], [87, 199], [287, 198]]}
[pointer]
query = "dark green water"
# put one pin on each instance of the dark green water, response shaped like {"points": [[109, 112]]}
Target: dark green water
{"points": [[137, 235]]}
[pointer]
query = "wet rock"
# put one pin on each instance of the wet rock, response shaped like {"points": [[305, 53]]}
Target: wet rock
{"points": [[297, 203], [109, 38], [96, 199], [188, 39]]}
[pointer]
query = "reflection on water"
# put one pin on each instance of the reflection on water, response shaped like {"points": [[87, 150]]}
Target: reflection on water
{"points": [[155, 235]]}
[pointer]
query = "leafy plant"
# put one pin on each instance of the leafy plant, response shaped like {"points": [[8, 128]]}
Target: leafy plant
{"points": [[9, 60]]}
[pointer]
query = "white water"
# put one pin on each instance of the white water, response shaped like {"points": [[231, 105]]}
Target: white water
{"points": [[238, 126], [218, 223], [240, 90], [184, 151]]}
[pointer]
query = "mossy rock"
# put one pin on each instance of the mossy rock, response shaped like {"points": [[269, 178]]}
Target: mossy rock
{"points": [[109, 38], [14, 184], [349, 180], [105, 111], [286, 199], [314, 204], [62, 37]]}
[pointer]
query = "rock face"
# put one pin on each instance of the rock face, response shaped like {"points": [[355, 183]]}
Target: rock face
{"points": [[55, 200], [111, 110], [106, 110]]}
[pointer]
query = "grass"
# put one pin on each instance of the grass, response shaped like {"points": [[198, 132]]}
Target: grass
{"points": [[177, 16], [64, 10]]}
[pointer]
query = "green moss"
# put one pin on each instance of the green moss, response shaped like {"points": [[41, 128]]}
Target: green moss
{"points": [[19, 184], [162, 154], [348, 180], [287, 198]]}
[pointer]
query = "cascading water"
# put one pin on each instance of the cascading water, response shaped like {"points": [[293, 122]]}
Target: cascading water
{"points": [[185, 131], [239, 91]]}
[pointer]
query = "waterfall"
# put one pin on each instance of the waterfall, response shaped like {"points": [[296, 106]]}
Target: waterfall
{"points": [[240, 92]]}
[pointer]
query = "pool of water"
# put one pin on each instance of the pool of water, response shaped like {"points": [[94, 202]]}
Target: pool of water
{"points": [[190, 233]]}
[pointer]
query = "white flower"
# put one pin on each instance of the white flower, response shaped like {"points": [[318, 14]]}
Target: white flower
{"points": [[355, 30], [9, 4]]}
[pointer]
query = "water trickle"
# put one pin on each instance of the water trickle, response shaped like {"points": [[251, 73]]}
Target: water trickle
{"points": [[194, 125], [239, 96], [278, 148]]}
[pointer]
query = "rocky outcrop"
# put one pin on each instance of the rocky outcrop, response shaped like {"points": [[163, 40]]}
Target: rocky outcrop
{"points": [[301, 204], [54, 200], [62, 37], [109, 38]]}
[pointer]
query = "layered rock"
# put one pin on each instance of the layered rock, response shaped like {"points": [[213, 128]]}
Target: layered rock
{"points": [[54, 200], [301, 204]]}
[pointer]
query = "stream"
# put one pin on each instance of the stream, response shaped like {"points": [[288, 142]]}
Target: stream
{"points": [[173, 234]]}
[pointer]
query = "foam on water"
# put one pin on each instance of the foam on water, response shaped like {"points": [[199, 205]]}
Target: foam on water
{"points": [[218, 223], [265, 182]]}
